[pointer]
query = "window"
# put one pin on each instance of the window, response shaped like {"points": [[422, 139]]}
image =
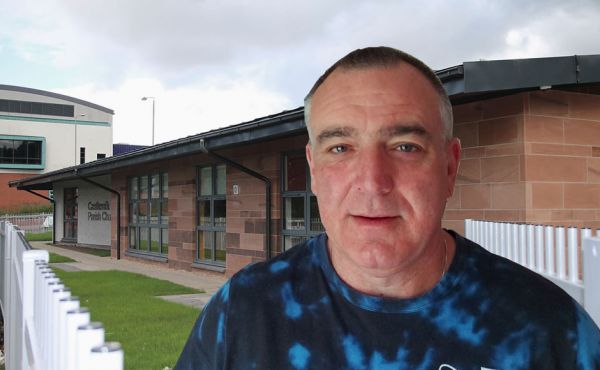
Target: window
{"points": [[22, 152], [148, 213], [100, 156], [300, 211], [211, 213], [28, 107], [81, 155]]}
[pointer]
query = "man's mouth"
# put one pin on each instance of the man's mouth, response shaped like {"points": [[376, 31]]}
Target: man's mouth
{"points": [[369, 220]]}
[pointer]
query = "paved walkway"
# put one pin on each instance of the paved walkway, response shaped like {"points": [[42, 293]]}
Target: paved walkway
{"points": [[207, 282]]}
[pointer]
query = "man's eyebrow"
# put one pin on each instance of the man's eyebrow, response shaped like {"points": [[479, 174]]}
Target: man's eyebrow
{"points": [[335, 132], [406, 129]]}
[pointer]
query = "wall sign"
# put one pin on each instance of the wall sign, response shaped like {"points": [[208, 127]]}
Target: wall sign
{"points": [[99, 211]]}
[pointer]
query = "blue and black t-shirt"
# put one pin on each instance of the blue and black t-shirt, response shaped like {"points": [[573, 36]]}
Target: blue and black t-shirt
{"points": [[294, 312]]}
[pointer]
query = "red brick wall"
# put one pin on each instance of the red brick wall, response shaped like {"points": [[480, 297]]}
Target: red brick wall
{"points": [[182, 172], [562, 168], [489, 184], [11, 198], [532, 157], [245, 230], [246, 211]]}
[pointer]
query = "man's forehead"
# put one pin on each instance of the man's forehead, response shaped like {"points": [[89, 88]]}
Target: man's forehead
{"points": [[388, 96]]}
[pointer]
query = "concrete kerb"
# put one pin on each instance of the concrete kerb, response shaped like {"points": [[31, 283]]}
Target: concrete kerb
{"points": [[88, 262]]}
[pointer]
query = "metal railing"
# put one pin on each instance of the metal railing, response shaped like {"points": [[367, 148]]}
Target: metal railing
{"points": [[569, 257], [33, 223], [44, 326]]}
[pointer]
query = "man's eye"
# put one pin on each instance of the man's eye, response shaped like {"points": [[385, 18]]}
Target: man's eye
{"points": [[339, 149], [407, 148]]}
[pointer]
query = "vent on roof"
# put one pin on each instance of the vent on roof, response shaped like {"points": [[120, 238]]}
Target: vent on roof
{"points": [[29, 107]]}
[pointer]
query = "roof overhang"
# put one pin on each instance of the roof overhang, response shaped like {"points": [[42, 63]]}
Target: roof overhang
{"points": [[484, 79], [283, 124]]}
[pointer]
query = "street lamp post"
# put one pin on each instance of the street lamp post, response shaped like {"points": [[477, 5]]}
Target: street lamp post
{"points": [[153, 106]]}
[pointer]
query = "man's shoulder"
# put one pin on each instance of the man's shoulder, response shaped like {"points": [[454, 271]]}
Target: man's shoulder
{"points": [[515, 285], [297, 261]]}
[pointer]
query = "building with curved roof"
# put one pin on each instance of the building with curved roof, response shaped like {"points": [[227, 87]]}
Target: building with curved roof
{"points": [[42, 131]]}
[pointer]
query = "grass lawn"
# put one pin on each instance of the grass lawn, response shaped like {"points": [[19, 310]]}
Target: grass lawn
{"points": [[57, 258], [151, 331], [39, 237]]}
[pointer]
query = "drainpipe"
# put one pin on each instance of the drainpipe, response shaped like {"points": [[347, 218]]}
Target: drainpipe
{"points": [[53, 212], [118, 209], [256, 175]]}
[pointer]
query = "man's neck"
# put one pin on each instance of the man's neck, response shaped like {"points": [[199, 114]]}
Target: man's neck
{"points": [[403, 282]]}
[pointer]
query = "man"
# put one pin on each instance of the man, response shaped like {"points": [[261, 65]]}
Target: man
{"points": [[386, 287]]}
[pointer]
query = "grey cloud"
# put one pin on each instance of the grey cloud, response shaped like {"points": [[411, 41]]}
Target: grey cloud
{"points": [[290, 43]]}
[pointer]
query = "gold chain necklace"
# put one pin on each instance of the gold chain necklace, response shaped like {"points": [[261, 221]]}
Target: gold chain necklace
{"points": [[445, 259]]}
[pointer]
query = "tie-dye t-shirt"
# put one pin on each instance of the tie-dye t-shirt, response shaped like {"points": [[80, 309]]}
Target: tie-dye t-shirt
{"points": [[294, 312]]}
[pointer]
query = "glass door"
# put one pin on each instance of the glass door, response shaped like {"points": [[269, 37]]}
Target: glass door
{"points": [[70, 214]]}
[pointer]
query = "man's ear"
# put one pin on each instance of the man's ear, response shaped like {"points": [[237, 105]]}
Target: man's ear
{"points": [[453, 152], [311, 165]]}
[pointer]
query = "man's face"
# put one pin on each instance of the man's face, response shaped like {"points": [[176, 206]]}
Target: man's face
{"points": [[380, 164]]}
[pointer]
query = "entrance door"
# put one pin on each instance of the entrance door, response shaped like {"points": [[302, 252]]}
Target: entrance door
{"points": [[70, 214]]}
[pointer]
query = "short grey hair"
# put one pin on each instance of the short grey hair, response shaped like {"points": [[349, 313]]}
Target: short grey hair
{"points": [[384, 57]]}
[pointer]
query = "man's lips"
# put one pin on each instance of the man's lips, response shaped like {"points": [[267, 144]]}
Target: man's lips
{"points": [[374, 220]]}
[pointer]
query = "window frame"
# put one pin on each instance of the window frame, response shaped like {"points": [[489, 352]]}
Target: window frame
{"points": [[306, 194], [135, 227], [212, 227], [37, 166]]}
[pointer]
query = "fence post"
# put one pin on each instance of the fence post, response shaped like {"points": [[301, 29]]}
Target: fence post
{"points": [[531, 247], [29, 259], [539, 248], [523, 244], [65, 305], [468, 223], [16, 327], [108, 355], [503, 240], [497, 242], [591, 277], [560, 253], [88, 336], [75, 318], [56, 296], [573, 255], [550, 250], [515, 242]]}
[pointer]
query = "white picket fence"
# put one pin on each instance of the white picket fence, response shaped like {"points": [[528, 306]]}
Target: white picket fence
{"points": [[44, 326], [33, 223], [569, 257]]}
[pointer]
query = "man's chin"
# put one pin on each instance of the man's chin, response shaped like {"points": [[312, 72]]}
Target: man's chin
{"points": [[375, 254]]}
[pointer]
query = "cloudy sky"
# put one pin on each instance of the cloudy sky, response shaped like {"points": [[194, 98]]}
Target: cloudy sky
{"points": [[212, 63]]}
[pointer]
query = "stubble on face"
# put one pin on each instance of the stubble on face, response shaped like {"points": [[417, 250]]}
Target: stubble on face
{"points": [[380, 169]]}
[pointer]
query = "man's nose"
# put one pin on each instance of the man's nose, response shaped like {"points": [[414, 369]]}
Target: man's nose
{"points": [[374, 172]]}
